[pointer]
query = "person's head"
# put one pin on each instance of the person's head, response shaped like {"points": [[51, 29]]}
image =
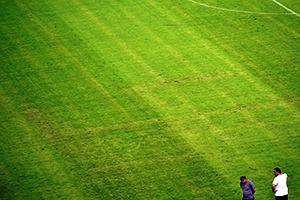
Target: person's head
{"points": [[243, 179], [277, 171]]}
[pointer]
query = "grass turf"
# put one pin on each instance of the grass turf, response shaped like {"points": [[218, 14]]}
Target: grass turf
{"points": [[147, 100]]}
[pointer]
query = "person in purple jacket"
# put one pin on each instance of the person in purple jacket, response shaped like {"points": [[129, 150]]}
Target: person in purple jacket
{"points": [[248, 188]]}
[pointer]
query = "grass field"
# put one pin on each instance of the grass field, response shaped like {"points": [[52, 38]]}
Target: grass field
{"points": [[148, 99]]}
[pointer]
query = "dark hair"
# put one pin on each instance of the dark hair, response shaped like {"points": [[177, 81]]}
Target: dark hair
{"points": [[277, 169], [243, 178]]}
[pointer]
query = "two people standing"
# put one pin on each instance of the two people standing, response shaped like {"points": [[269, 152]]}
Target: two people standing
{"points": [[279, 186]]}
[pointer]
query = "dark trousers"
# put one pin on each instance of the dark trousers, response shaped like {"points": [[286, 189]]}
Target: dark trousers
{"points": [[285, 197]]}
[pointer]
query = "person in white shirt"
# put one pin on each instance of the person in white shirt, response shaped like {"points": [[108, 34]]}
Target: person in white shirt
{"points": [[279, 185]]}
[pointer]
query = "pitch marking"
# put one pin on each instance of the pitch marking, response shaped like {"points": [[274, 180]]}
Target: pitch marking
{"points": [[241, 11], [280, 4]]}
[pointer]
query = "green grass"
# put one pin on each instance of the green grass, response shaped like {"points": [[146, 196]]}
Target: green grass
{"points": [[147, 99]]}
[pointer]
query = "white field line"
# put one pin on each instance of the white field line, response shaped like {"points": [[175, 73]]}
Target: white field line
{"points": [[280, 4], [238, 11]]}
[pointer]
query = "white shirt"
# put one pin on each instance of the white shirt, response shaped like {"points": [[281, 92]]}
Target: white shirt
{"points": [[280, 185]]}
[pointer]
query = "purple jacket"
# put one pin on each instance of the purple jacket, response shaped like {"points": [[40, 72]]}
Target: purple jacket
{"points": [[247, 189]]}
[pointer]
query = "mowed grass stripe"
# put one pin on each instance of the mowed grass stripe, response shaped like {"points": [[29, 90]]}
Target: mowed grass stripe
{"points": [[74, 158], [36, 61], [22, 155], [95, 82], [242, 73], [214, 49], [235, 52], [119, 41], [43, 90], [162, 45], [147, 85], [157, 76], [24, 158], [183, 64], [180, 44], [233, 141], [292, 109], [207, 138], [274, 98], [260, 34], [123, 153], [175, 92], [180, 99], [68, 54]]}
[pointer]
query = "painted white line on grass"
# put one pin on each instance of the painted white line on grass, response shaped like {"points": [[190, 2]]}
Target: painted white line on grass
{"points": [[238, 11], [280, 4]]}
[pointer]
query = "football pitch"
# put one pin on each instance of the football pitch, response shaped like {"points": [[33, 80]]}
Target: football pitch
{"points": [[156, 99]]}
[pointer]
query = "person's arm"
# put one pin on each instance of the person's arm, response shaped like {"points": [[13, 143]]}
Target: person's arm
{"points": [[273, 188], [274, 183], [253, 188]]}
